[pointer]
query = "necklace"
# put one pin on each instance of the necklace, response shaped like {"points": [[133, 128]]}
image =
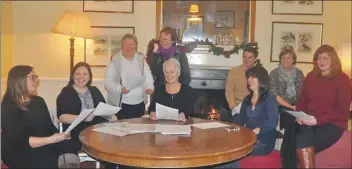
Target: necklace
{"points": [[172, 96]]}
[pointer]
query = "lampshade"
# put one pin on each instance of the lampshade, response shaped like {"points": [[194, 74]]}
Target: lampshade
{"points": [[344, 52], [74, 24], [194, 8]]}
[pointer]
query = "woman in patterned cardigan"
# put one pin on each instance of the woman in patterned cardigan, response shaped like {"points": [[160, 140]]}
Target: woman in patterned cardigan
{"points": [[286, 82]]}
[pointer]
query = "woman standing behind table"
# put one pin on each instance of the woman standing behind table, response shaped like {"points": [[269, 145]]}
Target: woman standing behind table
{"points": [[326, 95], [286, 83], [29, 139], [165, 50], [75, 97], [173, 94]]}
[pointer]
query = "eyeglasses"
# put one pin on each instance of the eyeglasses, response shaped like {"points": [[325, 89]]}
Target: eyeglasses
{"points": [[33, 77]]}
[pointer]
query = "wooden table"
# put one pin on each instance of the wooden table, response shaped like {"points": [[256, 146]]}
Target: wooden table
{"points": [[153, 150]]}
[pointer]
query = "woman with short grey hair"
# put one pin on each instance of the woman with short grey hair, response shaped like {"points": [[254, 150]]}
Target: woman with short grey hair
{"points": [[173, 94]]}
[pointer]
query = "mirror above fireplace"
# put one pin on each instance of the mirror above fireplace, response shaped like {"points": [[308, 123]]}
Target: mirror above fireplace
{"points": [[222, 22]]}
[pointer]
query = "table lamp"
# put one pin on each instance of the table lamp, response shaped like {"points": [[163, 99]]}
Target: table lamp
{"points": [[344, 52], [74, 24]]}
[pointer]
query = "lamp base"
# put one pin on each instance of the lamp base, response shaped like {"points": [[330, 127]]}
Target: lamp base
{"points": [[72, 53]]}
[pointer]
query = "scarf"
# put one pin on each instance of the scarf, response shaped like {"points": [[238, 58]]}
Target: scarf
{"points": [[289, 78], [167, 52]]}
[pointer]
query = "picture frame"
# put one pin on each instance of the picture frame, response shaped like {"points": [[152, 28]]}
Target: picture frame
{"points": [[108, 6], [304, 38], [225, 19], [106, 42], [297, 7], [193, 28]]}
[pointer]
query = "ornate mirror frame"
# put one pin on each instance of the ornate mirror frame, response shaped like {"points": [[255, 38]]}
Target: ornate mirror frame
{"points": [[252, 10]]}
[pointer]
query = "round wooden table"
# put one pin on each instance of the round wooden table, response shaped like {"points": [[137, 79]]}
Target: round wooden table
{"points": [[153, 150]]}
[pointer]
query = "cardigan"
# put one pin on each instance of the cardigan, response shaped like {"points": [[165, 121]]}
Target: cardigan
{"points": [[18, 126], [278, 87], [112, 79], [68, 102], [266, 119]]}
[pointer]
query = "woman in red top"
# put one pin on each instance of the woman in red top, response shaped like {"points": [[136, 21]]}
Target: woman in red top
{"points": [[326, 95]]}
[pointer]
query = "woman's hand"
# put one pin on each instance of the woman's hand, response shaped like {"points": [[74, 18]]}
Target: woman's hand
{"points": [[113, 118], [89, 118], [124, 90], [311, 122], [299, 121], [58, 137], [149, 91], [152, 116], [293, 107], [181, 117], [256, 130]]}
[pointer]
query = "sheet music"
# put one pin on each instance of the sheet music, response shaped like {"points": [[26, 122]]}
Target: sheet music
{"points": [[173, 129], [104, 109], [84, 114], [237, 109], [210, 125], [164, 112], [300, 115], [108, 130]]}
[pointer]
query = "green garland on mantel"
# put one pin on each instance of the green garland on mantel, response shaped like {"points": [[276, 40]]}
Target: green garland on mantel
{"points": [[189, 47]]}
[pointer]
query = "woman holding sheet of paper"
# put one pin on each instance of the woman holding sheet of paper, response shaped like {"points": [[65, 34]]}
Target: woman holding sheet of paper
{"points": [[326, 95], [128, 80], [173, 94], [75, 97], [28, 137]]}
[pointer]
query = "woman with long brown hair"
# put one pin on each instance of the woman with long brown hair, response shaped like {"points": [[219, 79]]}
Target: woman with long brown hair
{"points": [[326, 95], [29, 138]]}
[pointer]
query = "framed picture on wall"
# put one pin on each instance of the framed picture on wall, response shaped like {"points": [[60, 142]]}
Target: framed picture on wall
{"points": [[304, 38], [105, 43], [108, 6], [294, 7], [225, 19]]}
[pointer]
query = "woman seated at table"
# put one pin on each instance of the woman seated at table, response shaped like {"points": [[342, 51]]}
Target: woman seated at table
{"points": [[326, 95], [29, 139], [173, 94], [75, 97], [286, 83]]}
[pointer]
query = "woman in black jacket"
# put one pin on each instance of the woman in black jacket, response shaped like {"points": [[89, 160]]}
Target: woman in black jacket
{"points": [[166, 49], [75, 97], [29, 139]]}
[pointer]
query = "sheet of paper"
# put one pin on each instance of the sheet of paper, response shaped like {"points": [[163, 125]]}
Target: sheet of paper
{"points": [[300, 115], [84, 114], [134, 128], [173, 129], [108, 130], [104, 109], [237, 109], [164, 112], [210, 125]]}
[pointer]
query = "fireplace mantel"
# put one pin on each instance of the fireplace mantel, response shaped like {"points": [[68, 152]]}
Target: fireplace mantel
{"points": [[200, 57]]}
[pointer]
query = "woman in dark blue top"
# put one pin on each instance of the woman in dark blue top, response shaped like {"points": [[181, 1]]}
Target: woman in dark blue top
{"points": [[259, 111]]}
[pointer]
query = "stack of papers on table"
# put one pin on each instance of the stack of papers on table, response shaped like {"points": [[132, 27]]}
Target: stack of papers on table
{"points": [[210, 125], [123, 128], [173, 129]]}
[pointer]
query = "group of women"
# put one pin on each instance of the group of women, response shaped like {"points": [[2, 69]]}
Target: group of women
{"points": [[30, 140]]}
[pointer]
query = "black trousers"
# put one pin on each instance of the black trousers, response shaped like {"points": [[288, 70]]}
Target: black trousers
{"points": [[319, 137], [131, 111]]}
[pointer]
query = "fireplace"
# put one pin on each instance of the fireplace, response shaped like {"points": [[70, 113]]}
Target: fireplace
{"points": [[209, 86]]}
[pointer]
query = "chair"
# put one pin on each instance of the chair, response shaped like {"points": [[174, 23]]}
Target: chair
{"points": [[271, 160], [83, 157]]}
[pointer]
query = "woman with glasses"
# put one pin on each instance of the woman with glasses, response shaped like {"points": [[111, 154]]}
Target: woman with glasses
{"points": [[29, 139], [166, 48]]}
